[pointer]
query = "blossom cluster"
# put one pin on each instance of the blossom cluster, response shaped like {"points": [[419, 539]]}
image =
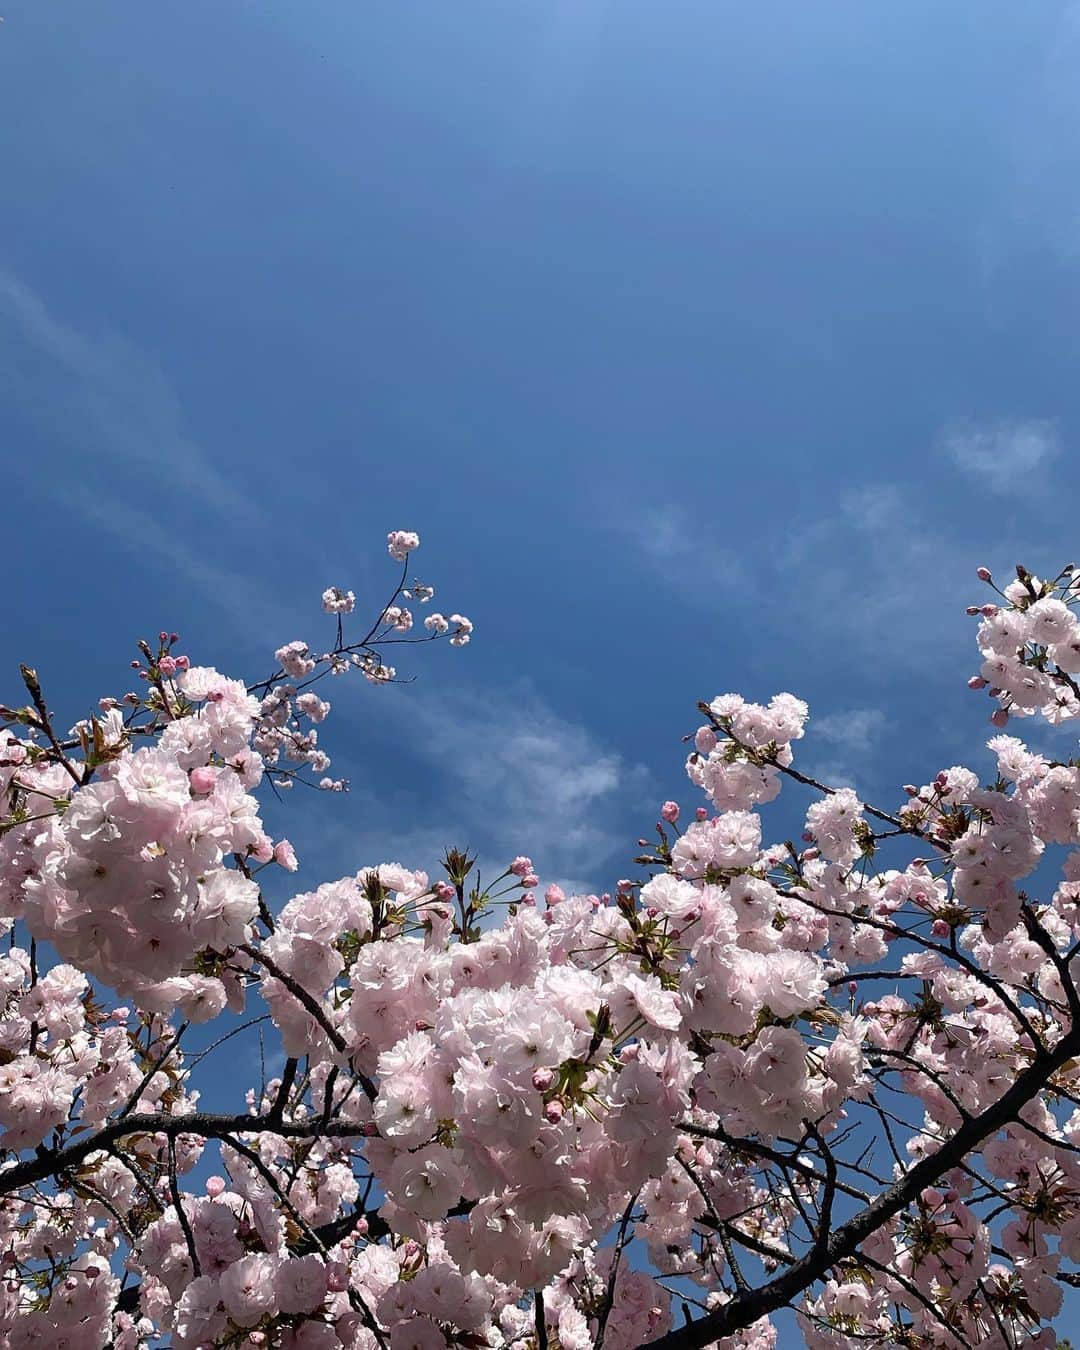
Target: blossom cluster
{"points": [[750, 1074]]}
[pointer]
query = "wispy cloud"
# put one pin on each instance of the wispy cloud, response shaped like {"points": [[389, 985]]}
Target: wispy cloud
{"points": [[678, 550], [841, 746], [855, 732], [1002, 456], [1037, 203], [110, 403], [120, 457], [501, 772]]}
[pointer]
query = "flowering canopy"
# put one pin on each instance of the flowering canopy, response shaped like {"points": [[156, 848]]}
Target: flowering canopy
{"points": [[753, 1076]]}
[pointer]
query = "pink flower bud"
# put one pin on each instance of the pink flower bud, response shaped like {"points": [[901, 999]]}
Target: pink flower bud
{"points": [[521, 867], [553, 1112], [988, 611], [262, 850], [999, 717], [528, 882], [983, 573], [670, 812], [940, 928], [203, 779], [554, 895], [702, 813], [337, 1274], [542, 1079], [215, 1186], [705, 740], [972, 610], [285, 855], [977, 682]]}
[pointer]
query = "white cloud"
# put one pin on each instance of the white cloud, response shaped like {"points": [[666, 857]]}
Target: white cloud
{"points": [[1003, 456], [845, 744], [856, 731], [683, 553], [503, 773], [120, 457], [1036, 205], [111, 404]]}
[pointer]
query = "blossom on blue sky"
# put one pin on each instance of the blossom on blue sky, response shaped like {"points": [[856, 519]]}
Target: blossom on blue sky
{"points": [[708, 346]]}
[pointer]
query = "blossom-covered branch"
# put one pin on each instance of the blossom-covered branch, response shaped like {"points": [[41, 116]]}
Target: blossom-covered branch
{"points": [[840, 1074]]}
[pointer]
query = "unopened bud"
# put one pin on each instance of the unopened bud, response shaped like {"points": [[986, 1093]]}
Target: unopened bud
{"points": [[337, 1273], [203, 779], [999, 717], [983, 573], [977, 682]]}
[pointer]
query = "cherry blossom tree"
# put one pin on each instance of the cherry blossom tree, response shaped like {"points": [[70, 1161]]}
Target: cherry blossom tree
{"points": [[840, 1075]]}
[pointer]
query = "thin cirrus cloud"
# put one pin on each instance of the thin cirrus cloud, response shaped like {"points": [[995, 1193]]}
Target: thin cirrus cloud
{"points": [[681, 553], [841, 747], [114, 430], [503, 773], [113, 426], [515, 773], [108, 405], [1003, 456]]}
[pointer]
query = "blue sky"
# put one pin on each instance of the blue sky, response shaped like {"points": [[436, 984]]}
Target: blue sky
{"points": [[708, 346]]}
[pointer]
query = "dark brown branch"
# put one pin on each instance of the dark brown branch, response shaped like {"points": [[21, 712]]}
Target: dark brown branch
{"points": [[50, 1162], [746, 1308]]}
